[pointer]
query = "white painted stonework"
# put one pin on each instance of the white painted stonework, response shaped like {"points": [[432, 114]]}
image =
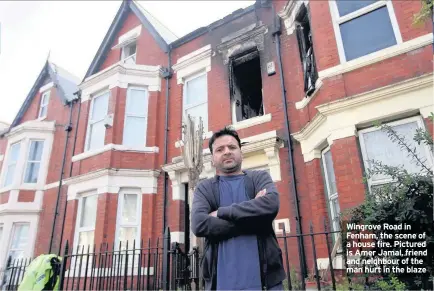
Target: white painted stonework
{"points": [[289, 13], [122, 75], [113, 147], [111, 181], [260, 151], [344, 117], [192, 63]]}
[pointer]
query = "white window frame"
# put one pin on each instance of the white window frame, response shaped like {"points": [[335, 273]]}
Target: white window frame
{"points": [[133, 57], [185, 107], [27, 161], [8, 163], [144, 116], [79, 229], [14, 227], [330, 197], [424, 147], [44, 97], [120, 224], [91, 122], [338, 20]]}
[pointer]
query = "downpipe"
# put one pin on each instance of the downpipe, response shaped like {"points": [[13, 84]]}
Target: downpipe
{"points": [[78, 93], [302, 257], [68, 129]]}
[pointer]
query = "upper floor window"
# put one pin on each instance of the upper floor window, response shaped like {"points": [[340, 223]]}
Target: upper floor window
{"points": [[136, 120], [364, 27], [43, 107], [129, 53], [19, 241], [376, 145], [96, 128], [196, 99], [33, 161], [12, 160], [246, 86], [305, 45]]}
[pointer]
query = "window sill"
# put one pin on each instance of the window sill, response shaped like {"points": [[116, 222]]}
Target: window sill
{"points": [[306, 100], [252, 122], [205, 137], [24, 186], [378, 56], [116, 147]]}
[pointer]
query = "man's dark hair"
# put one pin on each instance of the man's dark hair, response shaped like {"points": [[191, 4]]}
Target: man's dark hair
{"points": [[222, 132]]}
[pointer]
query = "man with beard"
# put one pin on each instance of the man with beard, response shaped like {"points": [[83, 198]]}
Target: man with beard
{"points": [[234, 212]]}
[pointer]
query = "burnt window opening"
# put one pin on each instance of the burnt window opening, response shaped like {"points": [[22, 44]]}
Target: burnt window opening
{"points": [[305, 45], [246, 86]]}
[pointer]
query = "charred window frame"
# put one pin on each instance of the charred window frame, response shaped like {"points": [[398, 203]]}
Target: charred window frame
{"points": [[245, 79], [305, 45]]}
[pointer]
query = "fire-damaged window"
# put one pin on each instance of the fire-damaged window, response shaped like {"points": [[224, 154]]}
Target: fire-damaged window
{"points": [[305, 44], [246, 85]]}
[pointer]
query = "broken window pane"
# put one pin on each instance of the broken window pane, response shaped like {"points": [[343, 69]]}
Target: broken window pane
{"points": [[305, 44], [246, 87]]}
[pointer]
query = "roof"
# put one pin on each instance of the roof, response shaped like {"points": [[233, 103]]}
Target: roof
{"points": [[64, 82], [162, 35], [165, 32], [165, 38]]}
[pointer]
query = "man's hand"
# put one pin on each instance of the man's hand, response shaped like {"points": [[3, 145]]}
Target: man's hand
{"points": [[214, 213], [261, 193]]}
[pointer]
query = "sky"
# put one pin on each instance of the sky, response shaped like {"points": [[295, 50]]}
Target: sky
{"points": [[71, 32]]}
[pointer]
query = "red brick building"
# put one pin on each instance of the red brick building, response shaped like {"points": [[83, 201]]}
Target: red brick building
{"points": [[344, 66]]}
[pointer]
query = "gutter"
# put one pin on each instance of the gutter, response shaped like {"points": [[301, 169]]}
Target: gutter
{"points": [[302, 255], [68, 129]]}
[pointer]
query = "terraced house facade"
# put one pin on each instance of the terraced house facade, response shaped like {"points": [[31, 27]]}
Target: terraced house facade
{"points": [[301, 81]]}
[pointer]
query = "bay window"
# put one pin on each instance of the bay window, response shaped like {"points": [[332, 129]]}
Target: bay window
{"points": [[128, 221], [19, 240], [136, 119], [33, 161], [364, 27], [12, 160], [331, 189], [96, 128], [376, 145], [86, 224]]}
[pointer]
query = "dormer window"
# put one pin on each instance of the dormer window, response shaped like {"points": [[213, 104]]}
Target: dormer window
{"points": [[44, 104], [129, 53]]}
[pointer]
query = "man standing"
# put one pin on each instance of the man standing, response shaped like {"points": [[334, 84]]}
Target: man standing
{"points": [[234, 212]]}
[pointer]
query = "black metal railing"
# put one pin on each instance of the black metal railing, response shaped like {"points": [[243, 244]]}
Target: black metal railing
{"points": [[166, 266], [128, 266], [13, 273], [300, 277]]}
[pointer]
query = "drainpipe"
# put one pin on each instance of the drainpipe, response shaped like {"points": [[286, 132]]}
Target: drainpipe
{"points": [[167, 76], [78, 100], [68, 129], [276, 33]]}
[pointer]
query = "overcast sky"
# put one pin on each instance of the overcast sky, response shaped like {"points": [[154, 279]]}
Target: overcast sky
{"points": [[73, 31]]}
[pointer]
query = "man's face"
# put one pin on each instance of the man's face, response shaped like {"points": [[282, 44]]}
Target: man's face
{"points": [[226, 156]]}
